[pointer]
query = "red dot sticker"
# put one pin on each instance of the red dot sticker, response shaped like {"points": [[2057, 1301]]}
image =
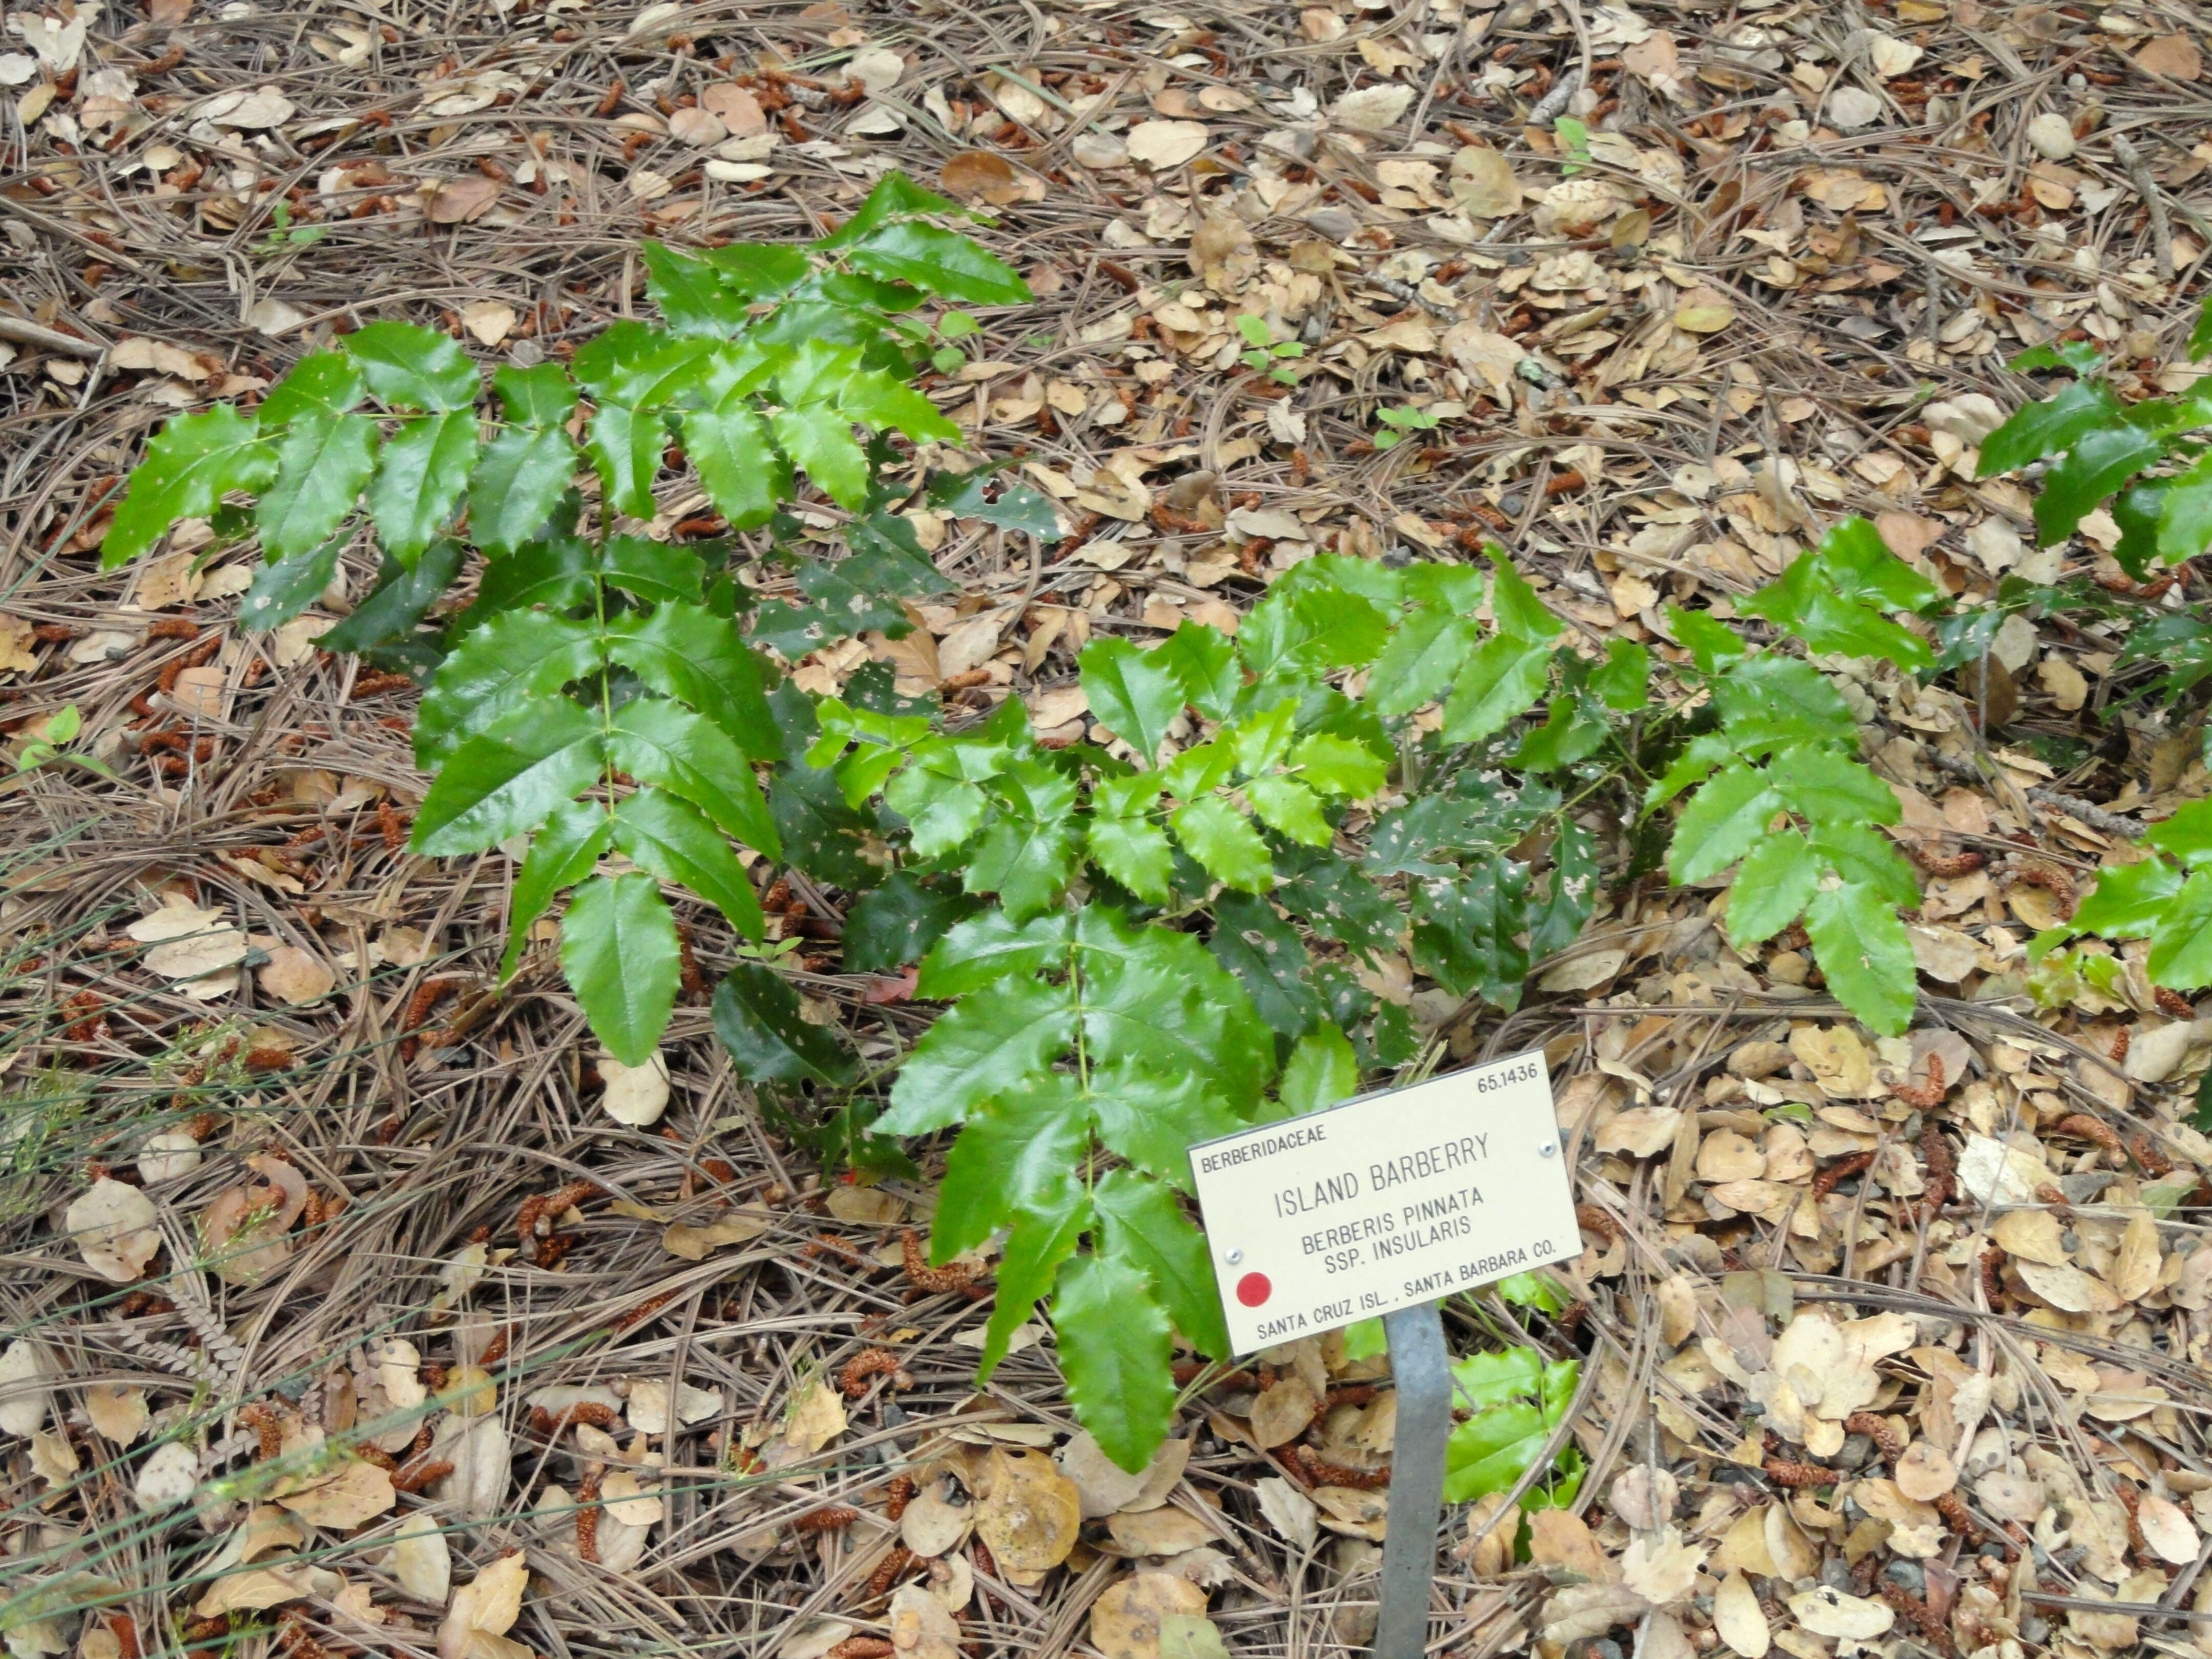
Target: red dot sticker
{"points": [[1254, 1289]]}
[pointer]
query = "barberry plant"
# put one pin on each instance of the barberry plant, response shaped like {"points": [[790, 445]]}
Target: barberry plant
{"points": [[1141, 942], [601, 693], [2150, 462]]}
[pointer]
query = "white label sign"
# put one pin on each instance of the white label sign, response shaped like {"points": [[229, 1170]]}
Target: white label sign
{"points": [[1386, 1200]]}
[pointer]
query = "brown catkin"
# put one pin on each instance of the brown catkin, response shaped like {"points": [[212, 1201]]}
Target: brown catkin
{"points": [[587, 1515], [897, 1496], [887, 1571], [872, 1362], [1880, 1430], [834, 1518]]}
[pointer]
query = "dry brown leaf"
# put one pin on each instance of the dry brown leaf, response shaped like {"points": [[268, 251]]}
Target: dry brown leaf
{"points": [[1828, 1611], [2176, 56], [697, 1243], [1164, 1531], [1161, 144], [2134, 1272], [116, 1228], [1660, 1567], [921, 1626], [1288, 1511], [636, 1094], [421, 1559], [978, 175], [353, 1495], [458, 201], [1282, 1413], [934, 1523], [118, 1410], [489, 1603], [1738, 1618], [2172, 1535], [1925, 1473], [1125, 1620], [1030, 1518], [296, 976]]}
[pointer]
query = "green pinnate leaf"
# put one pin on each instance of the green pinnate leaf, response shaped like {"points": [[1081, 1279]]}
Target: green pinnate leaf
{"points": [[1502, 680], [1779, 876], [1722, 821], [663, 743], [621, 957], [1420, 661], [743, 472], [541, 394], [937, 262], [1823, 786], [1778, 702], [1015, 1154], [1225, 844], [410, 367], [1147, 1228], [1859, 854], [758, 1018], [2181, 940], [1135, 852], [1322, 1071], [322, 466], [2187, 834], [191, 464], [1519, 614], [660, 571], [506, 781], [1027, 861], [2099, 462], [283, 589], [1114, 1351], [1859, 565], [666, 835], [1133, 696], [1286, 804], [991, 1041], [2185, 514], [2128, 899], [874, 398], [421, 473], [1153, 1118], [899, 921], [1467, 933], [323, 383], [2044, 428], [625, 446], [686, 652], [1269, 959], [1039, 1243], [562, 854], [524, 473], [1153, 997], [1307, 629], [1711, 643], [1338, 766], [1204, 659], [821, 440], [1864, 952], [511, 661], [1624, 682]]}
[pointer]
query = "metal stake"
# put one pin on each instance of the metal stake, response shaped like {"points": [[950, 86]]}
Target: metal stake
{"points": [[1422, 1370]]}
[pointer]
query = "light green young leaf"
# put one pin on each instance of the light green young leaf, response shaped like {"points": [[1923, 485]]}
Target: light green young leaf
{"points": [[1865, 954], [323, 383], [506, 781], [1338, 766], [1288, 805], [941, 812], [1114, 1351], [937, 261], [1015, 1154], [1227, 847], [874, 398], [1136, 698], [743, 474], [1134, 851], [2181, 942], [1322, 1070], [191, 464], [665, 834], [1420, 660], [621, 957]]}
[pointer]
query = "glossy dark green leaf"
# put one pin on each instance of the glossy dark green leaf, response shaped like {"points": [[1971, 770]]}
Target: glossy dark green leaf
{"points": [[1147, 1230], [899, 921], [988, 1043], [507, 780], [553, 571], [1857, 566], [1114, 1351], [507, 664], [520, 479], [1710, 641], [1225, 843], [562, 854], [1153, 1118], [323, 383], [624, 446], [1205, 660], [2137, 510], [758, 1017], [1015, 1154], [1420, 661], [1559, 919], [421, 474], [1860, 854], [1309, 630], [1466, 933], [1778, 702], [1624, 684], [874, 398], [743, 472], [687, 651], [1040, 1242], [1819, 784], [1519, 614], [2099, 462], [658, 571], [190, 465], [1568, 733], [1134, 851], [819, 832], [283, 589], [621, 957], [663, 743], [937, 261], [1502, 680], [398, 602], [1153, 997], [1337, 902], [1265, 954], [540, 394], [662, 833], [1016, 506], [410, 367], [2044, 428]]}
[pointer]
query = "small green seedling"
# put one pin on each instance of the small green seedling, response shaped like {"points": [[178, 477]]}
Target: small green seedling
{"points": [[1267, 353], [953, 325], [1401, 423], [285, 234], [46, 745], [1574, 140]]}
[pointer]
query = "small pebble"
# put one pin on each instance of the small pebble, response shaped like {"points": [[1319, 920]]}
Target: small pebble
{"points": [[2052, 135], [1908, 1575]]}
